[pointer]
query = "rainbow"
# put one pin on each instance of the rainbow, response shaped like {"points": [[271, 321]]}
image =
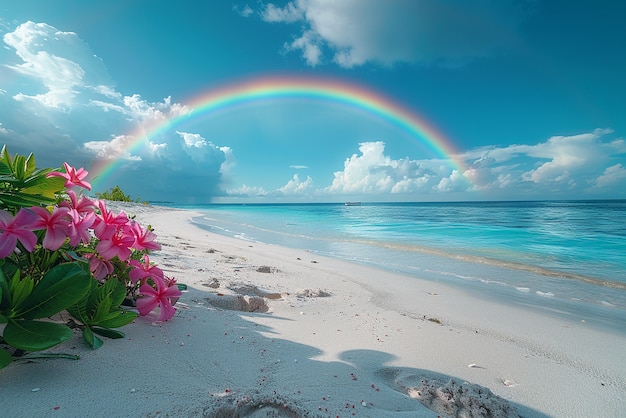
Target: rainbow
{"points": [[268, 88]]}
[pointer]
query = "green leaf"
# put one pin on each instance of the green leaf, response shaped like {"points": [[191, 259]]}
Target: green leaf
{"points": [[102, 300], [29, 166], [5, 169], [40, 185], [79, 309], [110, 333], [91, 339], [19, 167], [102, 311], [101, 307], [60, 288], [119, 320], [6, 158], [5, 358], [31, 356], [19, 200], [35, 335], [20, 289], [5, 295], [118, 294]]}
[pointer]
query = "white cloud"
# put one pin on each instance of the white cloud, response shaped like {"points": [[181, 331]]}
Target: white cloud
{"points": [[557, 164], [299, 167], [310, 45], [193, 140], [291, 13], [145, 111], [106, 91], [247, 191], [566, 155], [50, 57], [297, 187], [246, 11], [612, 176], [453, 183], [373, 172], [356, 32], [229, 160], [202, 151], [113, 149], [62, 104]]}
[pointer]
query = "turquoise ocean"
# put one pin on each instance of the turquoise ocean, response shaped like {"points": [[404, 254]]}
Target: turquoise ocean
{"points": [[566, 258]]}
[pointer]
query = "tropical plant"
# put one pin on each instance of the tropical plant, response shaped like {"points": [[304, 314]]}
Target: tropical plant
{"points": [[63, 252], [116, 194]]}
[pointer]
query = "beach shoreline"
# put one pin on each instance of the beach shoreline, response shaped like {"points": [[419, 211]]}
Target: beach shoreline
{"points": [[271, 331]]}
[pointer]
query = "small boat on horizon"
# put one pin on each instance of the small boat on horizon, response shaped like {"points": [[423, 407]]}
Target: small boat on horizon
{"points": [[353, 203]]}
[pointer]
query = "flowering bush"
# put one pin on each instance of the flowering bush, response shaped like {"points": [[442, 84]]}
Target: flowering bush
{"points": [[61, 252]]}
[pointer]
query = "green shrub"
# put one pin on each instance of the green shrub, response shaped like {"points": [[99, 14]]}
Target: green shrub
{"points": [[116, 194]]}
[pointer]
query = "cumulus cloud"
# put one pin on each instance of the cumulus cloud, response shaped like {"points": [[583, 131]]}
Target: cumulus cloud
{"points": [[559, 164], [40, 47], [613, 175], [373, 172], [245, 11], [247, 191], [295, 186], [113, 149], [291, 13], [62, 103], [565, 155], [556, 164], [355, 32]]}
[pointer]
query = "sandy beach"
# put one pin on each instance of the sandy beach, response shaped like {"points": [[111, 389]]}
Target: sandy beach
{"points": [[266, 331]]}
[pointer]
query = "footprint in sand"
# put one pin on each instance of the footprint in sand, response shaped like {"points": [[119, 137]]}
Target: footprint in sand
{"points": [[447, 395], [239, 303], [249, 408]]}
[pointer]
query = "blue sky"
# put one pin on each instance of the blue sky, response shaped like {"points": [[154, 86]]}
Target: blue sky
{"points": [[531, 93]]}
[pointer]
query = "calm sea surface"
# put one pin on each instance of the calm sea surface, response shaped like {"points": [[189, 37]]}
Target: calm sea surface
{"points": [[565, 257]]}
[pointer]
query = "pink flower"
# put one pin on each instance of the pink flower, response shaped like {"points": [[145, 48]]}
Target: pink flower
{"points": [[16, 228], [144, 238], [107, 222], [82, 206], [161, 296], [116, 242], [99, 268], [56, 224], [78, 229], [143, 271], [72, 176]]}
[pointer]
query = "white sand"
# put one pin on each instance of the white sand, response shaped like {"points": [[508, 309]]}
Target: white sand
{"points": [[325, 338]]}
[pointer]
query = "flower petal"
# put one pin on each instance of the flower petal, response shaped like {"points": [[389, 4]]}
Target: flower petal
{"points": [[146, 305]]}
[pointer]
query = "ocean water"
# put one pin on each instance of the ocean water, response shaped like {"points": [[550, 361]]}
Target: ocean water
{"points": [[567, 258]]}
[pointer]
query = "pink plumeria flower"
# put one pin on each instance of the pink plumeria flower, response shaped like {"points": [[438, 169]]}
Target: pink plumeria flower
{"points": [[17, 228], [144, 270], [171, 281], [99, 268], [116, 242], [72, 176], [83, 206], [144, 238], [78, 230], [107, 222], [56, 224], [161, 296]]}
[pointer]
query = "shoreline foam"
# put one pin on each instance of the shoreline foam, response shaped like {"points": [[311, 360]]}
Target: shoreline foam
{"points": [[331, 336]]}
